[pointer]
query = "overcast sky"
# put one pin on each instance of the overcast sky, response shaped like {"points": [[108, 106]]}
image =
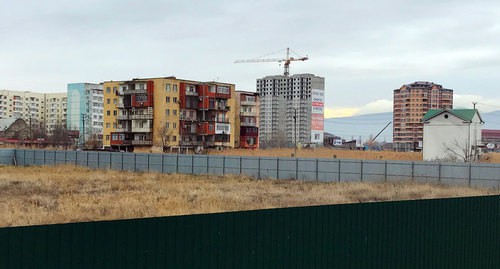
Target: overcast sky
{"points": [[364, 49]]}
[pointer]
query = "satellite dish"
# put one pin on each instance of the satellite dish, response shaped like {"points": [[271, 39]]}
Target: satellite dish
{"points": [[490, 146]]}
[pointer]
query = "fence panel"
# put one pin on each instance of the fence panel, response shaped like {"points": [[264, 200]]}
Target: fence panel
{"points": [[185, 164], [93, 159], [82, 158], [71, 157], [232, 165], [455, 174], [155, 163], [250, 166], [60, 157], [170, 164], [306, 169], [268, 167], [457, 233], [104, 160], [141, 162], [425, 172], [7, 156], [117, 161], [329, 170], [287, 168], [399, 171], [200, 164], [485, 175], [128, 161], [39, 157], [350, 170], [215, 164], [374, 171]]}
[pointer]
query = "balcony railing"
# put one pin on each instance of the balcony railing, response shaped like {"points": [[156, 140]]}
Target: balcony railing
{"points": [[248, 114], [122, 117], [142, 142], [248, 103], [129, 91], [249, 124], [191, 93], [142, 117], [142, 130]]}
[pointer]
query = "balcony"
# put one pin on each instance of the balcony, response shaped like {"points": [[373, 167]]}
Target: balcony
{"points": [[122, 117], [222, 108], [134, 91], [142, 130], [142, 142], [248, 124], [141, 117], [248, 103], [188, 93], [123, 130], [247, 114]]}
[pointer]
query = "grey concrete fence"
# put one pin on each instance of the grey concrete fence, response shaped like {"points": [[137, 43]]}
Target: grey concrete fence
{"points": [[325, 170]]}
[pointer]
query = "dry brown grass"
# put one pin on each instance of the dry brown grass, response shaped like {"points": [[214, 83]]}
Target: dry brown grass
{"points": [[324, 153], [43, 195]]}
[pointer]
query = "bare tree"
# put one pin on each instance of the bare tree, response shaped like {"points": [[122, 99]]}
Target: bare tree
{"points": [[165, 137], [461, 151]]}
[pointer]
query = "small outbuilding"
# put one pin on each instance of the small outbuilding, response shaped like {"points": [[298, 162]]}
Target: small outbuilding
{"points": [[452, 135]]}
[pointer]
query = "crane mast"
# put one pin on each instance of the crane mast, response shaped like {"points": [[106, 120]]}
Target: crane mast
{"points": [[286, 61]]}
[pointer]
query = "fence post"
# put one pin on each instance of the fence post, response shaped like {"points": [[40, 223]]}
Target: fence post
{"points": [[177, 163], [258, 167], [317, 172], [65, 156], [135, 162], [296, 168], [87, 157], [470, 174], [241, 157], [208, 162], [122, 160], [385, 171], [148, 161], [339, 171], [361, 170], [439, 172], [223, 165], [162, 170], [24, 157], [44, 158], [412, 171], [192, 164], [277, 168]]}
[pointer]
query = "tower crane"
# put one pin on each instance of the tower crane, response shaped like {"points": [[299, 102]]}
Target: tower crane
{"points": [[286, 61]]}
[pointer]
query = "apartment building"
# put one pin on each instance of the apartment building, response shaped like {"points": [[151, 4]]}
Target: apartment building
{"points": [[411, 102], [155, 114], [248, 108], [43, 111], [56, 106], [85, 111], [291, 110]]}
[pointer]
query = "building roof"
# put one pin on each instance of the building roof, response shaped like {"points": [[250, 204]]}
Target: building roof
{"points": [[465, 114], [6, 123], [488, 133]]}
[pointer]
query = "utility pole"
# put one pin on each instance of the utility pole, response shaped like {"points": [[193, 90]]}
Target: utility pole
{"points": [[84, 118], [295, 132]]}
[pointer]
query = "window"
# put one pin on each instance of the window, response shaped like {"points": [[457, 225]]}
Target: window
{"points": [[174, 88], [114, 101], [174, 99], [174, 111], [114, 125], [108, 113], [115, 113], [167, 112], [107, 137], [108, 101], [141, 97], [115, 89], [174, 138], [167, 87], [167, 125], [167, 99], [174, 125], [108, 90]]}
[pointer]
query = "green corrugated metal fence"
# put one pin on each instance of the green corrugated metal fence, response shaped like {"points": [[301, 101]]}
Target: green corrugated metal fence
{"points": [[442, 233]]}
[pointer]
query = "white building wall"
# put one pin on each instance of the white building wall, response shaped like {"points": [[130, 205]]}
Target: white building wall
{"points": [[449, 138]]}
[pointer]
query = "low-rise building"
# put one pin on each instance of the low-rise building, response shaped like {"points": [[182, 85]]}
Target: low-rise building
{"points": [[452, 134]]}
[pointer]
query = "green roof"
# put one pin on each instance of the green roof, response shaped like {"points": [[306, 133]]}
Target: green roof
{"points": [[465, 114]]}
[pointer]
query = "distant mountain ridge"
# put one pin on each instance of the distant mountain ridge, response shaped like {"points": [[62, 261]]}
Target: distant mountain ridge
{"points": [[364, 126]]}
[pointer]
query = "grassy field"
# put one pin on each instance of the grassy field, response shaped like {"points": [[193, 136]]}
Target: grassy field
{"points": [[43, 195]]}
